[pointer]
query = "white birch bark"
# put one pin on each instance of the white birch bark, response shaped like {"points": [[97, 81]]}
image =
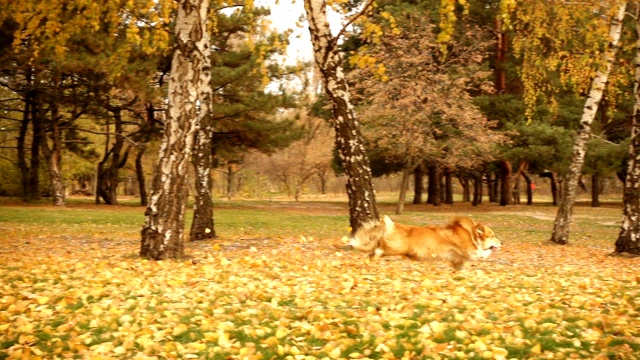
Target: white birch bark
{"points": [[202, 226], [629, 238], [362, 204], [189, 86], [562, 223]]}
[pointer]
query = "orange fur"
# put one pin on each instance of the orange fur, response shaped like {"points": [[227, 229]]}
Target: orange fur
{"points": [[460, 240]]}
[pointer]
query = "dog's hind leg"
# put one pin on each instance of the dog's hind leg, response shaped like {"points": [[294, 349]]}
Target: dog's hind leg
{"points": [[458, 264]]}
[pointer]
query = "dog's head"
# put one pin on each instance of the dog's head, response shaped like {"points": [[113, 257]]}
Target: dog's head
{"points": [[370, 234], [486, 238]]}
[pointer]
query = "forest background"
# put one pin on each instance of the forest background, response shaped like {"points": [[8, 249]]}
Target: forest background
{"points": [[82, 101]]}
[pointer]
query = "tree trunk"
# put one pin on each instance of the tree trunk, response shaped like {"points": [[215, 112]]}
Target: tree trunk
{"points": [[502, 43], [516, 191], [501, 56], [22, 151], [112, 161], [323, 179], [189, 86], [202, 226], [31, 172], [53, 155], [418, 174], [328, 58], [492, 187], [466, 191], [554, 186], [142, 186], [516, 180], [435, 188], [404, 184], [448, 187], [231, 179], [595, 190], [432, 184], [477, 190], [530, 188], [629, 238], [555, 189], [560, 233]]}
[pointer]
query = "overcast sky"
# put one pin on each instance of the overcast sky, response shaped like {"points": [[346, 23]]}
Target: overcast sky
{"points": [[286, 15]]}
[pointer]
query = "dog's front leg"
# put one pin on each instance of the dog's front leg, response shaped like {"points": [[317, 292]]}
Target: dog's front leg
{"points": [[376, 253]]}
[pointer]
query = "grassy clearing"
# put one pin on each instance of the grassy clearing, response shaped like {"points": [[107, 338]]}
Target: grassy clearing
{"points": [[278, 285]]}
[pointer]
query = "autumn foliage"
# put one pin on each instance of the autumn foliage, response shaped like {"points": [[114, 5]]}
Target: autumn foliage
{"points": [[81, 291]]}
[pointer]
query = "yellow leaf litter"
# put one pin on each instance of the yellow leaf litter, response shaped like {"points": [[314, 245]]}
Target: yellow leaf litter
{"points": [[306, 298]]}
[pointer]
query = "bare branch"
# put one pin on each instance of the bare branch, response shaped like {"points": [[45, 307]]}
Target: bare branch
{"points": [[125, 137], [604, 140], [354, 18]]}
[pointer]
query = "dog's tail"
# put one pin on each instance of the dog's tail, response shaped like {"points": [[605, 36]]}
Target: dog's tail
{"points": [[366, 238], [358, 244]]}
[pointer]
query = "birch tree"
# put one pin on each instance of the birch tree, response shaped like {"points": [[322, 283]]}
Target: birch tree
{"points": [[328, 58], [242, 66], [189, 92], [629, 238], [561, 227]]}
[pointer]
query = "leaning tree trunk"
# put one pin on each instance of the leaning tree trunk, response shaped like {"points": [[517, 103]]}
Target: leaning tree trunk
{"points": [[362, 202], [189, 84], [560, 233], [629, 237]]}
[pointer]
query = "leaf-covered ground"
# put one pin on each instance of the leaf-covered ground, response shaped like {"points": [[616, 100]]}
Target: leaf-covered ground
{"points": [[298, 297]]}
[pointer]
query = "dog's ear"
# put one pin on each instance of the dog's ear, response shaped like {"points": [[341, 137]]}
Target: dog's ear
{"points": [[388, 223]]}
